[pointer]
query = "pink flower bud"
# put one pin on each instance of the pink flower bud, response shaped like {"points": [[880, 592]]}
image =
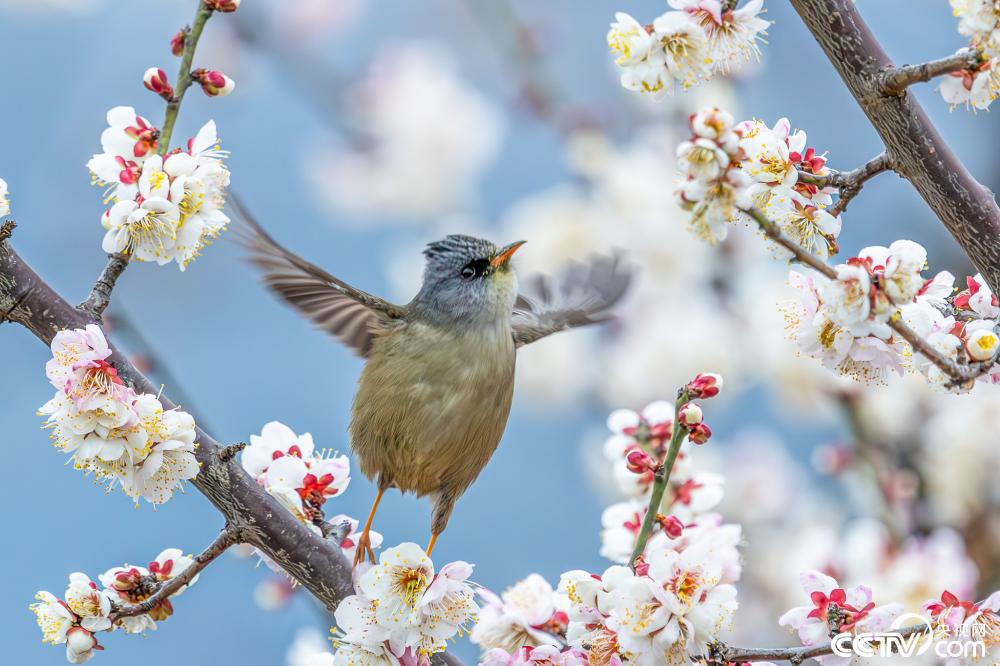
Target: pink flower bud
{"points": [[671, 525], [641, 566], [127, 580], [177, 43], [155, 79], [705, 385], [700, 433], [224, 6], [79, 642], [215, 84], [690, 415], [639, 462]]}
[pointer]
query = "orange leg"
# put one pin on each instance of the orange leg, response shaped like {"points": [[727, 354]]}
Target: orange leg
{"points": [[364, 547], [430, 544]]}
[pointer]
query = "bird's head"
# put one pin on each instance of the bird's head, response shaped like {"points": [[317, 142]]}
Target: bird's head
{"points": [[468, 279]]}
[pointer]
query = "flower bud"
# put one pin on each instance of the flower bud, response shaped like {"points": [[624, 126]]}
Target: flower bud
{"points": [[641, 566], [982, 344], [162, 610], [224, 6], [127, 580], [639, 462], [79, 644], [671, 525], [705, 385], [700, 433], [690, 415], [215, 84], [177, 43], [155, 79]]}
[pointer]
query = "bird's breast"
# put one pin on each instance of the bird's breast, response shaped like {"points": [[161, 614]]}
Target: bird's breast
{"points": [[432, 404]]}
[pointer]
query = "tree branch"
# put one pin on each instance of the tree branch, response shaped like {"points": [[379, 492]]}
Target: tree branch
{"points": [[895, 81], [263, 522], [100, 295], [916, 150], [848, 182], [229, 536], [959, 374], [191, 38]]}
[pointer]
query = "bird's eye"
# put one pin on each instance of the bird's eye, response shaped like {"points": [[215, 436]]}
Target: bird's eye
{"points": [[475, 268]]}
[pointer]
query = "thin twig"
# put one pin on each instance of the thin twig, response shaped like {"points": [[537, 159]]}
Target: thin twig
{"points": [[191, 38], [896, 80], [661, 478], [100, 294], [959, 374], [229, 536], [849, 183]]}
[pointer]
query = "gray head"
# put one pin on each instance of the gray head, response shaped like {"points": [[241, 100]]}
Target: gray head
{"points": [[467, 279]]}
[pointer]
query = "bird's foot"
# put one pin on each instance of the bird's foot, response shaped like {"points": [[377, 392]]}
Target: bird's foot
{"points": [[364, 550]]}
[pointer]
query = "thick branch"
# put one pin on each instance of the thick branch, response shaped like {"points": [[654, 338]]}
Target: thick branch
{"points": [[100, 295], [848, 182], [316, 563], [229, 536], [896, 80], [914, 146], [958, 373]]}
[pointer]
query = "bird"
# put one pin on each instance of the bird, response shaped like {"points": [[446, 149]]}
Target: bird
{"points": [[434, 396]]}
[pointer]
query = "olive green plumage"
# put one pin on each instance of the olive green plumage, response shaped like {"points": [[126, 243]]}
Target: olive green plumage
{"points": [[433, 399]]}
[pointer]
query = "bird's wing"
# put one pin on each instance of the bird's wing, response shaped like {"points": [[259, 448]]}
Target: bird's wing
{"points": [[353, 316], [581, 295]]}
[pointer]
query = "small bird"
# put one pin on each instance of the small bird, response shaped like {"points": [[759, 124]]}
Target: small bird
{"points": [[435, 393]]}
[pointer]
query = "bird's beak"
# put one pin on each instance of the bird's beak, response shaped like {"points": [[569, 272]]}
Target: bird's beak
{"points": [[504, 255]]}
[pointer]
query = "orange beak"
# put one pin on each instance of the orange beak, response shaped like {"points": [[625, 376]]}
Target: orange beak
{"points": [[504, 255]]}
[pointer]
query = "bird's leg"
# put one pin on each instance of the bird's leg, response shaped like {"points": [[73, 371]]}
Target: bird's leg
{"points": [[444, 502], [364, 547], [430, 544]]}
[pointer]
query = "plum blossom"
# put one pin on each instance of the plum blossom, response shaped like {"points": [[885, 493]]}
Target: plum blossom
{"points": [[290, 468], [835, 609], [164, 207], [687, 46], [526, 614], [111, 431], [402, 610], [979, 298], [89, 604], [732, 34], [712, 186], [544, 655]]}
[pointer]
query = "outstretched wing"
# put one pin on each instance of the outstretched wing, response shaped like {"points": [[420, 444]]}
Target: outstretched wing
{"points": [[581, 295], [353, 316]]}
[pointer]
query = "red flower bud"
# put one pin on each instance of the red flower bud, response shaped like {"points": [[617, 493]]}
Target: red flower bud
{"points": [[215, 84], [671, 525], [177, 43], [700, 433], [224, 6], [639, 462], [641, 566], [705, 385], [155, 79], [690, 415]]}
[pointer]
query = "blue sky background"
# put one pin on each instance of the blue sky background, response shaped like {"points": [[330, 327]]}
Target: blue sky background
{"points": [[243, 359]]}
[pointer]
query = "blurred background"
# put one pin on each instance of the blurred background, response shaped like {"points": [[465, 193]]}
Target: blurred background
{"points": [[362, 129]]}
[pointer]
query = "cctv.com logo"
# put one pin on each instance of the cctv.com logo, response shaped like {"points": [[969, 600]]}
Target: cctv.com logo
{"points": [[913, 640]]}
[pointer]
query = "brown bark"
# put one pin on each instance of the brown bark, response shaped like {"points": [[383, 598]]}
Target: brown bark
{"points": [[915, 149]]}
